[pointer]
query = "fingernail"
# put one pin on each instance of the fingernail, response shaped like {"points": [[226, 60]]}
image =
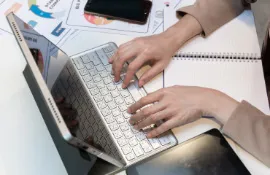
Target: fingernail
{"points": [[123, 86], [129, 110], [141, 83], [149, 135]]}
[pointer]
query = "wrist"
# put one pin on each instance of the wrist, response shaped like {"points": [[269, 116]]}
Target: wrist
{"points": [[182, 31], [220, 105]]}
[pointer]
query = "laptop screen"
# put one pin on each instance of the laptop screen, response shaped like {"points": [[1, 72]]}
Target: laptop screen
{"points": [[51, 61]]}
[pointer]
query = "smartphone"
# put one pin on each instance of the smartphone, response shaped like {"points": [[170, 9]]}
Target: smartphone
{"points": [[134, 11]]}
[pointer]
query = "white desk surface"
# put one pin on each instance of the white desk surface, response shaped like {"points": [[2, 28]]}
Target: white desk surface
{"points": [[29, 146]]}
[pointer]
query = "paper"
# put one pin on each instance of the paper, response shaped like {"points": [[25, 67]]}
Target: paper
{"points": [[76, 18], [44, 16]]}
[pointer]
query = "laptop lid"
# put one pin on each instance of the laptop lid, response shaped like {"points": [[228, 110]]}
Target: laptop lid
{"points": [[44, 63]]}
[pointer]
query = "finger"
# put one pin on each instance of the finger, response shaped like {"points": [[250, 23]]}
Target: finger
{"points": [[116, 54], [132, 69], [153, 119], [150, 98], [121, 60], [172, 123], [59, 100], [146, 112], [150, 74]]}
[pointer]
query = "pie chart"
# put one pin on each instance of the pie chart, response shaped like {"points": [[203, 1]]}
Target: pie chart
{"points": [[97, 20]]}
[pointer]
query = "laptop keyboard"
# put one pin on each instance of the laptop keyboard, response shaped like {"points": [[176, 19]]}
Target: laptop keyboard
{"points": [[112, 101]]}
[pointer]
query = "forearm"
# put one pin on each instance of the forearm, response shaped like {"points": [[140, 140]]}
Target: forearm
{"points": [[185, 29]]}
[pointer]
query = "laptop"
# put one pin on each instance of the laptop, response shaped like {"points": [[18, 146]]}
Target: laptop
{"points": [[85, 81]]}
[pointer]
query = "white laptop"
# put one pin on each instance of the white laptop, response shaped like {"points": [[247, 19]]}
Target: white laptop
{"points": [[85, 81]]}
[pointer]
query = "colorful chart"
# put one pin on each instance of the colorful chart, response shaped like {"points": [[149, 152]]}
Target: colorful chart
{"points": [[97, 20]]}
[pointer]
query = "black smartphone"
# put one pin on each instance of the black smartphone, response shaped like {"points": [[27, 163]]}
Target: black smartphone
{"points": [[208, 153], [134, 11]]}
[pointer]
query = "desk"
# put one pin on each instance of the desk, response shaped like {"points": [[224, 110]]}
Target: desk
{"points": [[49, 160]]}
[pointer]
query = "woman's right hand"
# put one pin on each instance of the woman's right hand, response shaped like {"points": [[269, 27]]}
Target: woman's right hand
{"points": [[155, 50], [152, 50]]}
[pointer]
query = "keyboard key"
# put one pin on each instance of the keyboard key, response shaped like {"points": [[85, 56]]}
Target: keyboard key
{"points": [[115, 112], [106, 111], [78, 63], [126, 115], [124, 93], [94, 58], [97, 78], [122, 107], [133, 142], [98, 98], [90, 84], [164, 140], [108, 98], [115, 93], [93, 72], [89, 66], [100, 68], [122, 141], [146, 147], [111, 86], [114, 126], [130, 156], [138, 150], [87, 78], [128, 134], [94, 91], [85, 59], [100, 85], [154, 142], [129, 100], [140, 136], [109, 68], [119, 119], [109, 48], [107, 80], [104, 91], [112, 105], [126, 149], [117, 134], [102, 105], [103, 74], [103, 57], [110, 54], [124, 126], [119, 100], [133, 89], [109, 119]]}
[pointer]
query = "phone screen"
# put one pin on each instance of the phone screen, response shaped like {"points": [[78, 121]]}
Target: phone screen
{"points": [[127, 10]]}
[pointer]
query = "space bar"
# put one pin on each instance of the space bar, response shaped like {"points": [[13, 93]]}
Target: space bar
{"points": [[134, 91]]}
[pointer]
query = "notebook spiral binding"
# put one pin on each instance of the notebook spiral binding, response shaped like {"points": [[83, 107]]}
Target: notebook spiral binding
{"points": [[232, 57]]}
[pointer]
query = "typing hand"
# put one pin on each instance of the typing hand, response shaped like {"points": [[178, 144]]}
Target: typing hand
{"points": [[154, 50], [68, 113], [179, 105]]}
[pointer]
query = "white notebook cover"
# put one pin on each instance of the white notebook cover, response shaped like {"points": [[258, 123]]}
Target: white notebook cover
{"points": [[236, 38]]}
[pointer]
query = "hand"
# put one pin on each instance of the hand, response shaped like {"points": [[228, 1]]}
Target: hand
{"points": [[152, 50], [155, 50], [179, 105]]}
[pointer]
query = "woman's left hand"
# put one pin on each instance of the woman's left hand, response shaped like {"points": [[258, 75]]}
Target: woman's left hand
{"points": [[176, 106]]}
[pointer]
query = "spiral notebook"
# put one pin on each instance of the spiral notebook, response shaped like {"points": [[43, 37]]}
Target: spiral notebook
{"points": [[228, 60]]}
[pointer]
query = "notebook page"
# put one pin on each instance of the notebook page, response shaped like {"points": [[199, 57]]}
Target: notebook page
{"points": [[237, 38], [242, 80]]}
